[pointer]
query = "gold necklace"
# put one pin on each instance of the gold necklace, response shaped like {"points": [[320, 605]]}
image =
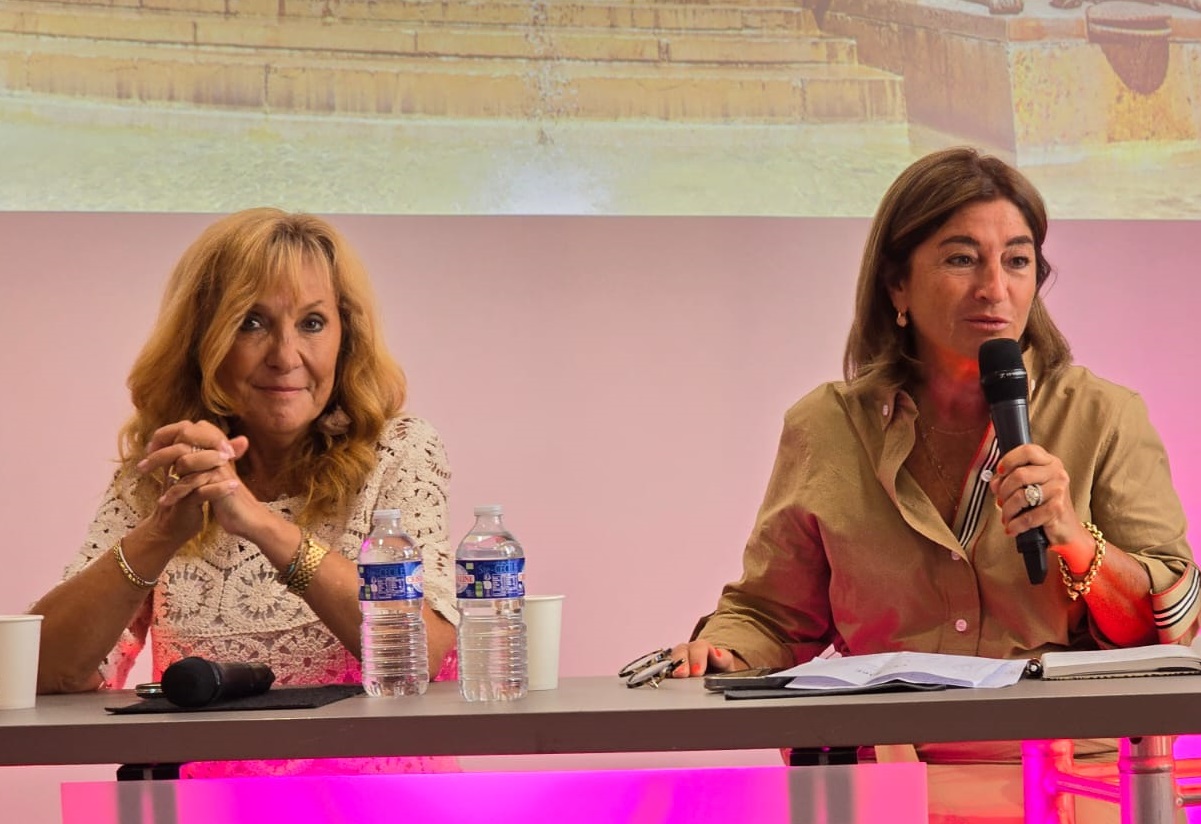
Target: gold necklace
{"points": [[959, 433], [943, 479]]}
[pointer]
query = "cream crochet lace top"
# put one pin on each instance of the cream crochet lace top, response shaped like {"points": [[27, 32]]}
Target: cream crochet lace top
{"points": [[227, 605]]}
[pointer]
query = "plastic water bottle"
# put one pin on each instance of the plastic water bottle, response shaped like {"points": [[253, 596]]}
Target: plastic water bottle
{"points": [[490, 579], [391, 595]]}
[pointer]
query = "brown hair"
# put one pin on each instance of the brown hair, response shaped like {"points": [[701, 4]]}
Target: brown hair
{"points": [[216, 282], [880, 354]]}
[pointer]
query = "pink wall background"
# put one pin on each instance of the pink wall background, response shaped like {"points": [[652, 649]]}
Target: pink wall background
{"points": [[617, 383]]}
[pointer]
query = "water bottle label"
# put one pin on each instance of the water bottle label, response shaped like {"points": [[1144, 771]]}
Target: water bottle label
{"points": [[391, 582], [501, 578]]}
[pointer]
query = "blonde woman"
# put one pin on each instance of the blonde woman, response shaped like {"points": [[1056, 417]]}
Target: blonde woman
{"points": [[267, 427]]}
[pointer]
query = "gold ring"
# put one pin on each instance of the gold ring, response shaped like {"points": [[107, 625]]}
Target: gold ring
{"points": [[172, 475]]}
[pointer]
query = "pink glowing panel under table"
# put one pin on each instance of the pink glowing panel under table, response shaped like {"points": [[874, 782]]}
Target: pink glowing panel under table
{"points": [[853, 794]]}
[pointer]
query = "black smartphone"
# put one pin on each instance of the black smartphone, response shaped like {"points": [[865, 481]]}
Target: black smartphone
{"points": [[754, 678], [150, 690]]}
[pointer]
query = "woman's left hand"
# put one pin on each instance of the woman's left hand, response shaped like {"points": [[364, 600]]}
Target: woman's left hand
{"points": [[1032, 489]]}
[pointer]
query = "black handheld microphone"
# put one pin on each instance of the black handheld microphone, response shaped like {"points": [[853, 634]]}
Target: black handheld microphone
{"points": [[1003, 378], [197, 682]]}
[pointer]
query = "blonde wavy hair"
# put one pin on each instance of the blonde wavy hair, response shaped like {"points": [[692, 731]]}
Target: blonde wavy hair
{"points": [[880, 356], [220, 277]]}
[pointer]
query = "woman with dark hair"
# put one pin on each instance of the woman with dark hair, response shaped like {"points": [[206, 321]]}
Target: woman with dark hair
{"points": [[890, 517], [267, 428]]}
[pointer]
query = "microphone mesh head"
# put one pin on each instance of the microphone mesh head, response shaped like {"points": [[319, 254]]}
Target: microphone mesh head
{"points": [[190, 682], [1002, 373]]}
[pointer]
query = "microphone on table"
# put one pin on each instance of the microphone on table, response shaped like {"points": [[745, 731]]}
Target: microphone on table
{"points": [[197, 682], [1003, 378]]}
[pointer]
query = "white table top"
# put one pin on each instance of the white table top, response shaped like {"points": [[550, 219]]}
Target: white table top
{"points": [[595, 715]]}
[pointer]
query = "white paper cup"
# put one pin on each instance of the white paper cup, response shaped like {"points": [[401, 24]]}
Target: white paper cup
{"points": [[19, 637], [543, 625]]}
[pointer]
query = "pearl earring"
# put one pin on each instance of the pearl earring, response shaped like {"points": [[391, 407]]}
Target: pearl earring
{"points": [[902, 318]]}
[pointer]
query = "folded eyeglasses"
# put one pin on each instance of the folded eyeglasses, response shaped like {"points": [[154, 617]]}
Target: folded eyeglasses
{"points": [[649, 669]]}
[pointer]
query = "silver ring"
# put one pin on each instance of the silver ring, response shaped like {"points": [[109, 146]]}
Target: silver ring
{"points": [[1034, 495], [196, 448]]}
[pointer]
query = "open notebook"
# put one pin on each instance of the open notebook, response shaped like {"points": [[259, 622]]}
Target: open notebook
{"points": [[882, 671]]}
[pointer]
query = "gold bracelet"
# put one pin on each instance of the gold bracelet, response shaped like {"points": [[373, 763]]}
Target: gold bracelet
{"points": [[285, 576], [1081, 587], [306, 568], [131, 576]]}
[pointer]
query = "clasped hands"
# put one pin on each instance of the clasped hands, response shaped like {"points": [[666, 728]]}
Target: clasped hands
{"points": [[196, 461]]}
